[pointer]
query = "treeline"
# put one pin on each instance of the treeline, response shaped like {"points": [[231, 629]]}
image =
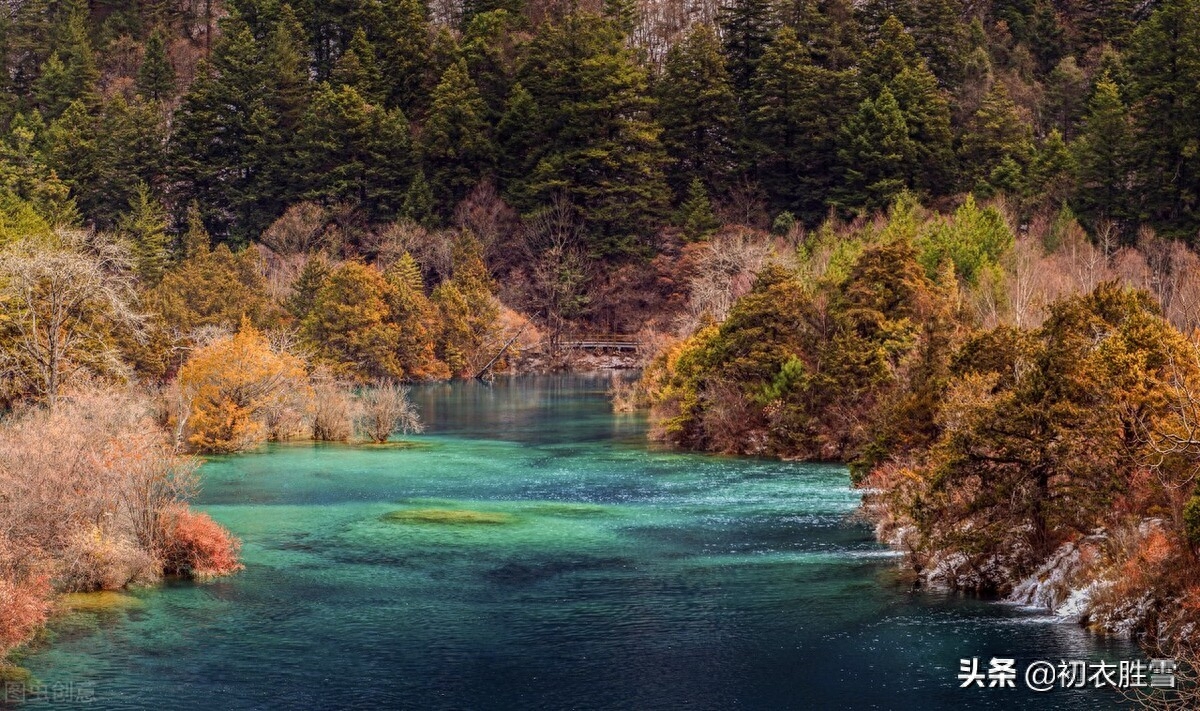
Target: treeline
{"points": [[120, 113], [81, 306], [1020, 407]]}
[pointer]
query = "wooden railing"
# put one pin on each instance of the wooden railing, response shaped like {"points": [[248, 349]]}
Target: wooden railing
{"points": [[599, 342]]}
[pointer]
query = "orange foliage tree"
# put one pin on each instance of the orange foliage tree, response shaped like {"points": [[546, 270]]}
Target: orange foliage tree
{"points": [[350, 325], [229, 386]]}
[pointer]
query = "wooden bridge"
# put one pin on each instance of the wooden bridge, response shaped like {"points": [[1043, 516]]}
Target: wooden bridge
{"points": [[599, 342]]}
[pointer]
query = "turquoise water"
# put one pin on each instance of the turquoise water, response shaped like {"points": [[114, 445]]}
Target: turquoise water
{"points": [[605, 574]]}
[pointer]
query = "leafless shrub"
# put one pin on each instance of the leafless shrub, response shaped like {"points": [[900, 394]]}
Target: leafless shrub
{"points": [[285, 417], [433, 249], [96, 559], [745, 205], [1173, 276], [1085, 264], [488, 217], [86, 483], [1031, 284], [626, 395], [556, 289], [332, 409], [386, 408], [281, 272]]}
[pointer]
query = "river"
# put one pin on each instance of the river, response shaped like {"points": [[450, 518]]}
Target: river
{"points": [[600, 573]]}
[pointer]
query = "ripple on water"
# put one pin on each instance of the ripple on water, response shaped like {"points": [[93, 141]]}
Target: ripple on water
{"points": [[606, 575]]}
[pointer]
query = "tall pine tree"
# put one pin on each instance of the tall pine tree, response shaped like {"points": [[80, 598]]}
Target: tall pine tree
{"points": [[598, 144], [156, 76], [456, 145], [222, 129], [746, 29], [1164, 56], [144, 226], [996, 146], [698, 112], [1102, 156], [351, 151], [797, 109], [877, 155]]}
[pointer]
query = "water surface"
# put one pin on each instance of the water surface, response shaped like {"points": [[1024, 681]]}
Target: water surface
{"points": [[593, 571]]}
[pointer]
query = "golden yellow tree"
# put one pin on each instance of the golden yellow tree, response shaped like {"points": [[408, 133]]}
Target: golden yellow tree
{"points": [[230, 385]]}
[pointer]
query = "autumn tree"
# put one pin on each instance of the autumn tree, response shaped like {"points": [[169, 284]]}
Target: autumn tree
{"points": [[418, 318], [1034, 455], [350, 326], [468, 311], [212, 290], [229, 385]]}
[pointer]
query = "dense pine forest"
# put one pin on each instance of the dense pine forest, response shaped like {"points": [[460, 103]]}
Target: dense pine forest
{"points": [[948, 242], [633, 121]]}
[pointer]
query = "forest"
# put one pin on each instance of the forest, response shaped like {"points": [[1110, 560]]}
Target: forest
{"points": [[947, 242]]}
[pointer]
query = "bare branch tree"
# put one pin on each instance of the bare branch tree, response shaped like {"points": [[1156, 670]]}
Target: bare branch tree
{"points": [[65, 304], [725, 270]]}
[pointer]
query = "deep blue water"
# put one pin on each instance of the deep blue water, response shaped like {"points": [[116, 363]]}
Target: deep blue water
{"points": [[612, 575]]}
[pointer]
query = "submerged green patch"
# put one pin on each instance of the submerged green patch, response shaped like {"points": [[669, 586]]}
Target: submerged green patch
{"points": [[97, 602], [449, 517], [394, 444]]}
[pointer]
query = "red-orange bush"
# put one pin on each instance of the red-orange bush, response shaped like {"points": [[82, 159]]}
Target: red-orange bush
{"points": [[24, 606], [197, 546], [24, 595]]}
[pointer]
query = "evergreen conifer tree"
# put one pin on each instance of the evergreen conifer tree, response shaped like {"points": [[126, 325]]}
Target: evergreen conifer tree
{"points": [[996, 139], [698, 112], [597, 144], [695, 214], [876, 153], [156, 76], [145, 227], [747, 27], [456, 147], [797, 109], [1102, 155]]}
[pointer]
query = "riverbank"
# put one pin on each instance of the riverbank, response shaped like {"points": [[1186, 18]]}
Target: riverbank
{"points": [[93, 498], [1043, 453], [593, 557]]}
